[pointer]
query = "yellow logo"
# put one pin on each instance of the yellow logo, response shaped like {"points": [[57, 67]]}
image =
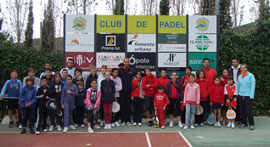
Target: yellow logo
{"points": [[202, 24], [79, 23]]}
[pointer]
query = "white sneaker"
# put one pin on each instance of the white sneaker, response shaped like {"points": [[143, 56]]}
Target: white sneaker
{"points": [[128, 123], [134, 124], [51, 128], [65, 130], [106, 127], [229, 124], [233, 125], [82, 125], [171, 124], [20, 126], [37, 132], [218, 124], [180, 125], [109, 126], [97, 126], [90, 130], [45, 130], [58, 128], [72, 127], [139, 124], [191, 126], [123, 124], [113, 125], [117, 124], [101, 124], [202, 124], [76, 125], [186, 127], [162, 127]]}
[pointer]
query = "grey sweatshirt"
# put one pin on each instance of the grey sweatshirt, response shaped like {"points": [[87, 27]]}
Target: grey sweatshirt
{"points": [[69, 98]]}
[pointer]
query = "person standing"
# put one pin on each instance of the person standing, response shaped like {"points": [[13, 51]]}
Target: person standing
{"points": [[235, 70], [246, 90], [70, 67], [210, 73]]}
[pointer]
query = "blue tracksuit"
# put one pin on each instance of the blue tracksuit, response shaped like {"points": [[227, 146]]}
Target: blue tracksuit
{"points": [[68, 101], [12, 87]]}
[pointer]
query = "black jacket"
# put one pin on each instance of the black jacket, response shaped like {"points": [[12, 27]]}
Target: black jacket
{"points": [[126, 77], [79, 99], [52, 91], [107, 91], [89, 79], [231, 72], [41, 97]]}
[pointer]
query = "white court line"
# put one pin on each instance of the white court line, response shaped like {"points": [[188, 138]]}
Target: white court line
{"points": [[148, 139], [139, 132], [184, 139]]}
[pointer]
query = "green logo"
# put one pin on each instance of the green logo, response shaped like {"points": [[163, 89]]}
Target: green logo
{"points": [[202, 42]]}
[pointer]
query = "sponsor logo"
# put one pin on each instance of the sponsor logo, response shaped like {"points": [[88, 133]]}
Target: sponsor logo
{"points": [[110, 40], [202, 24], [75, 41], [80, 59], [79, 23], [110, 58], [134, 61], [202, 42], [171, 60], [140, 46]]}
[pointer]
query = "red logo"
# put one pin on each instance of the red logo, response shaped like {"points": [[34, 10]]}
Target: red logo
{"points": [[81, 59]]}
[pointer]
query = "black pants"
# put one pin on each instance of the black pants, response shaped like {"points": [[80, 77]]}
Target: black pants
{"points": [[42, 115], [137, 109], [125, 106], [101, 111], [55, 118], [246, 110], [79, 114], [238, 111], [116, 116], [200, 118], [28, 114]]}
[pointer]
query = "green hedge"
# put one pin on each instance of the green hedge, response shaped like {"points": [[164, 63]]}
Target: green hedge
{"points": [[252, 48]]}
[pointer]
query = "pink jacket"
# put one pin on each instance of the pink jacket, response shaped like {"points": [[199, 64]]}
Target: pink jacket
{"points": [[87, 100], [192, 94]]}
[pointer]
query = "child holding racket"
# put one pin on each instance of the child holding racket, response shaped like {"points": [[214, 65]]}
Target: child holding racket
{"points": [[161, 101], [92, 102], [216, 94], [230, 92]]}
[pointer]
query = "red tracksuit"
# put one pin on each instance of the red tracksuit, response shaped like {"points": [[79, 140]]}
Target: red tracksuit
{"points": [[151, 90], [161, 101], [204, 89], [216, 93], [162, 81], [231, 92], [224, 82]]}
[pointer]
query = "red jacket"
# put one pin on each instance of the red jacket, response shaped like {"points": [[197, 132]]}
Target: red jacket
{"points": [[183, 80], [161, 100], [151, 90], [162, 81], [216, 94], [204, 89], [136, 90], [210, 75], [224, 82], [230, 93]]}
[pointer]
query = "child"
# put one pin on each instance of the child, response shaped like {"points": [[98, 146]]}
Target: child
{"points": [[118, 88], [67, 102], [163, 79], [31, 74], [217, 99], [42, 111], [55, 92], [91, 77], [149, 87], [48, 75], [223, 82], [46, 65], [64, 76], [185, 79], [92, 102], [191, 100], [201, 80], [230, 92], [161, 101], [12, 87], [107, 97], [137, 98], [28, 101], [101, 77], [174, 92], [78, 76], [79, 103]]}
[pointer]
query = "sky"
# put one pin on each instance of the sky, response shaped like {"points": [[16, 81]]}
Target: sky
{"points": [[100, 9]]}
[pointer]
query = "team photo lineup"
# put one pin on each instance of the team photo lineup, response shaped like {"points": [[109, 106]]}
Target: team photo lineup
{"points": [[123, 97]]}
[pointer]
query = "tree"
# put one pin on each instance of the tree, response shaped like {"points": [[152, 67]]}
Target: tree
{"points": [[164, 7], [119, 7], [237, 12], [225, 19], [150, 7], [263, 9], [1, 19], [48, 29], [29, 28], [178, 6], [208, 7], [80, 6]]}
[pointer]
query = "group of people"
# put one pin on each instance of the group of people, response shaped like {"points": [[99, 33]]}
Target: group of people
{"points": [[136, 92]]}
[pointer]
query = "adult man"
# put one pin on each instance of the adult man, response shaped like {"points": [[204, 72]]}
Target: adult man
{"points": [[210, 73], [70, 67], [126, 74], [31, 74], [47, 65], [235, 69], [246, 90]]}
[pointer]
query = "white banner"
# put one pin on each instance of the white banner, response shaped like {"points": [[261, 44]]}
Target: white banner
{"points": [[112, 60], [141, 43], [202, 43], [172, 59], [166, 47], [79, 43], [80, 23], [202, 24]]}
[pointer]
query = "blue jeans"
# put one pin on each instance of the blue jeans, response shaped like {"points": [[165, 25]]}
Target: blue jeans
{"points": [[190, 113]]}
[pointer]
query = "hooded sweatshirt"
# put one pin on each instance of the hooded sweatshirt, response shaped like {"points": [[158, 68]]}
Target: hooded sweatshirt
{"points": [[216, 94], [93, 97], [28, 95], [12, 87], [118, 85], [69, 98], [204, 89], [192, 94], [151, 90]]}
